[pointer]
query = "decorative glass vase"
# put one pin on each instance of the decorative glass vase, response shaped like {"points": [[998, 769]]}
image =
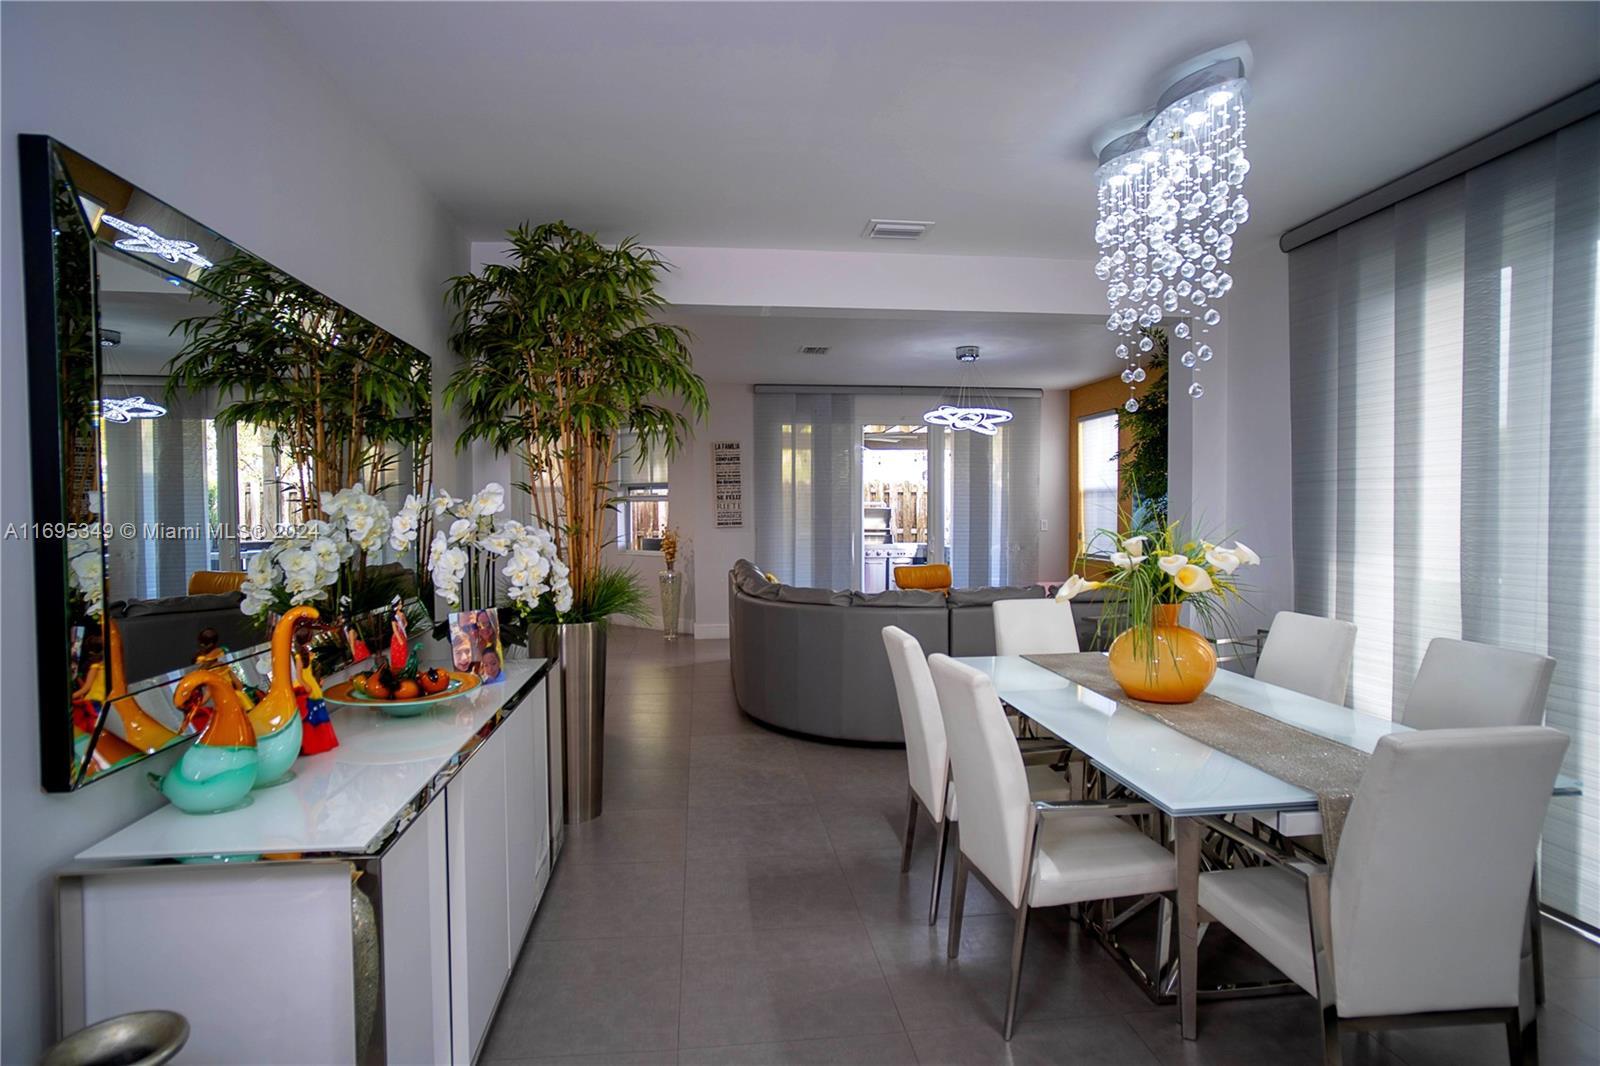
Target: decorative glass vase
{"points": [[671, 600], [1184, 661]]}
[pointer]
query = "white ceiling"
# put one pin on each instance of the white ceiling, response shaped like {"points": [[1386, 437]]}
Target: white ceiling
{"points": [[136, 302], [789, 125], [889, 348]]}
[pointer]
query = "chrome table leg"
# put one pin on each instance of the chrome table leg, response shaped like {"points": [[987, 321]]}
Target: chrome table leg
{"points": [[1187, 832]]}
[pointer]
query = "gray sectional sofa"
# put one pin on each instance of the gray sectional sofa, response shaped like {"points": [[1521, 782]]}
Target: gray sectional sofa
{"points": [[812, 660]]}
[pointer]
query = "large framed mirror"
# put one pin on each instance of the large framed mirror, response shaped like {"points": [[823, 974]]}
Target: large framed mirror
{"points": [[190, 403]]}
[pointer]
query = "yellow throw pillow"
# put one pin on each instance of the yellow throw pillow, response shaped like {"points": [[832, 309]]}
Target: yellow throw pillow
{"points": [[935, 576]]}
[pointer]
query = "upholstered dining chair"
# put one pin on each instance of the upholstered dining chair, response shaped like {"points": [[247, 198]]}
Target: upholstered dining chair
{"points": [[1308, 654], [1461, 683], [1387, 939], [928, 755], [1031, 852], [1034, 627]]}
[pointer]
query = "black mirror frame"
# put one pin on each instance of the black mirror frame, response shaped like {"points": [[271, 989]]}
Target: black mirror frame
{"points": [[45, 437]]}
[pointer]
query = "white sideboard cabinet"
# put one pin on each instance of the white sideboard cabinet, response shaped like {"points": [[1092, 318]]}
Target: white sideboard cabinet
{"points": [[369, 910]]}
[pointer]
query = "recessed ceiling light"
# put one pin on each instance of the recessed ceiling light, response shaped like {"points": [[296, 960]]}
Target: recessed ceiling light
{"points": [[895, 229]]}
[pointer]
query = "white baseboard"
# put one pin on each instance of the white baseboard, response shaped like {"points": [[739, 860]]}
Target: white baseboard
{"points": [[711, 631]]}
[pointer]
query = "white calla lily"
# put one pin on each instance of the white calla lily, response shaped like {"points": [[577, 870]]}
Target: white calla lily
{"points": [[1135, 545], [1245, 554], [1193, 579], [1222, 559], [1171, 564], [1125, 561], [1074, 585]]}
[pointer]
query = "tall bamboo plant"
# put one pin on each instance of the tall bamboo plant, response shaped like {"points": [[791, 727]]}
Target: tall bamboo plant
{"points": [[1144, 461], [562, 353], [340, 396]]}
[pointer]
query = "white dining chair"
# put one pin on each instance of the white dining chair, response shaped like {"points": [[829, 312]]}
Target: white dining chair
{"points": [[1034, 627], [1419, 921], [1461, 683], [1031, 853], [928, 755], [1308, 654]]}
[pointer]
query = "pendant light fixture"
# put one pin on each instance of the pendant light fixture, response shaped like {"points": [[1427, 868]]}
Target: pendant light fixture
{"points": [[974, 408], [1169, 188]]}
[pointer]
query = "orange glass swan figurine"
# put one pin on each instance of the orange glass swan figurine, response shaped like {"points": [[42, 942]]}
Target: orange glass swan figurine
{"points": [[138, 728], [276, 716], [220, 768]]}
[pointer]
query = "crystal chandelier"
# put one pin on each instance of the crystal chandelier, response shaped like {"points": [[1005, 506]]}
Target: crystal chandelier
{"points": [[1170, 202], [974, 409]]}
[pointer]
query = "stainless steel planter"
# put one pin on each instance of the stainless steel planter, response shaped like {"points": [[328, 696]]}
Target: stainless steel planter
{"points": [[580, 653]]}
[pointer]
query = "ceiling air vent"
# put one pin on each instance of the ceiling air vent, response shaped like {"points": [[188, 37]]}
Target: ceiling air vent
{"points": [[895, 229], [814, 349]]}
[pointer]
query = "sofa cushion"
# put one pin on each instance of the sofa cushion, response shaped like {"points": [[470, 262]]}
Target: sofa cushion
{"points": [[752, 582], [898, 598], [800, 594], [211, 601], [983, 597]]}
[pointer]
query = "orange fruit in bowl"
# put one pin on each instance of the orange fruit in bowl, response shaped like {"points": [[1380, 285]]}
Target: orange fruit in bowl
{"points": [[407, 690], [434, 681], [375, 688]]}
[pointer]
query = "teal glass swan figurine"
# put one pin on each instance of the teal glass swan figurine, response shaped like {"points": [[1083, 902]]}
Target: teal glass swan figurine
{"points": [[220, 768]]}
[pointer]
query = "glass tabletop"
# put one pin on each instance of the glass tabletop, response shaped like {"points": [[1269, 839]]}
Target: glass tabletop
{"points": [[1178, 774]]}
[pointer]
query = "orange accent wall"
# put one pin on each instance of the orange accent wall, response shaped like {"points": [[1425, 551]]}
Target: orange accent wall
{"points": [[1097, 397]]}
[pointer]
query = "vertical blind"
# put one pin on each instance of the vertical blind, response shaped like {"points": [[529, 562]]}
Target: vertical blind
{"points": [[807, 492], [156, 475], [807, 503], [994, 500], [1447, 445]]}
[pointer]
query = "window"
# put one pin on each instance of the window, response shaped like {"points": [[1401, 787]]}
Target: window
{"points": [[1097, 481], [642, 497], [1447, 445]]}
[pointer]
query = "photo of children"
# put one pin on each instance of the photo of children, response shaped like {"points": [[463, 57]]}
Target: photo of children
{"points": [[475, 644]]}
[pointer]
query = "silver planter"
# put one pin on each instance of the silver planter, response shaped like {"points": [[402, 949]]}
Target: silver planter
{"points": [[579, 649], [671, 601]]}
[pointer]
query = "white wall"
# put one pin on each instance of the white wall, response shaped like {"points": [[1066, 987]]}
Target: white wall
{"points": [[714, 550], [206, 107], [1229, 452], [786, 277], [1055, 546]]}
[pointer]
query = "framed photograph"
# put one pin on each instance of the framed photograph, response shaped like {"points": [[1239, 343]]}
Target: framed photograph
{"points": [[475, 644]]}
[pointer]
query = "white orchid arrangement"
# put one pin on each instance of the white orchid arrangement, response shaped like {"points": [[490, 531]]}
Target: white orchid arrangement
{"points": [[469, 544], [318, 557], [86, 575], [1163, 567]]}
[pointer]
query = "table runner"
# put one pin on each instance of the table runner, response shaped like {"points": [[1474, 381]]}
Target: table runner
{"points": [[1330, 770]]}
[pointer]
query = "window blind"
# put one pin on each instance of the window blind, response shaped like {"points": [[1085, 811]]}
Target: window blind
{"points": [[1447, 445], [994, 500], [806, 492]]}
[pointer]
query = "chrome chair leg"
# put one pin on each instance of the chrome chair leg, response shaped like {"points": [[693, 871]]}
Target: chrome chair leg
{"points": [[911, 830], [958, 900], [938, 869], [1019, 941], [1536, 940]]}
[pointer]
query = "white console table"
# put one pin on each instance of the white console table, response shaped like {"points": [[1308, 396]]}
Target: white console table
{"points": [[368, 910]]}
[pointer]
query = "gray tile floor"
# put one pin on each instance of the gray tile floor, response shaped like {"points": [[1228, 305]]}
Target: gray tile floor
{"points": [[740, 901]]}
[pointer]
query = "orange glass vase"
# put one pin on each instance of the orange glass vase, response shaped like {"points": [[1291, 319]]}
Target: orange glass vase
{"points": [[1185, 662]]}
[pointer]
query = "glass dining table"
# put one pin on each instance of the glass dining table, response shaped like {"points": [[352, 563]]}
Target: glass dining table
{"points": [[1186, 780]]}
